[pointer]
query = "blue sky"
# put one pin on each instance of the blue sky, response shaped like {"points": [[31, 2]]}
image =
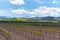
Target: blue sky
{"points": [[30, 8]]}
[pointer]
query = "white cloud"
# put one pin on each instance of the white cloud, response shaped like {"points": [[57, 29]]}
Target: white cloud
{"points": [[1, 12], [32, 16], [46, 11], [17, 2], [39, 1], [42, 11], [54, 1], [19, 11]]}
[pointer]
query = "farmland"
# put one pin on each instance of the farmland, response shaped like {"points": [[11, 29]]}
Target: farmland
{"points": [[29, 31]]}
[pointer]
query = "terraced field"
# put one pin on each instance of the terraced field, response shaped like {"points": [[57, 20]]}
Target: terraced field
{"points": [[13, 31]]}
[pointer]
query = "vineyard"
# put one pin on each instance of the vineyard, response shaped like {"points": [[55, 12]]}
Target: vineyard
{"points": [[29, 31]]}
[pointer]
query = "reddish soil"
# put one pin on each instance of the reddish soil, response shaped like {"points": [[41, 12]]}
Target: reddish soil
{"points": [[22, 35]]}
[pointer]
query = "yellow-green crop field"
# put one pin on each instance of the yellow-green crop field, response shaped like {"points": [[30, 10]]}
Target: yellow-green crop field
{"points": [[13, 30]]}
